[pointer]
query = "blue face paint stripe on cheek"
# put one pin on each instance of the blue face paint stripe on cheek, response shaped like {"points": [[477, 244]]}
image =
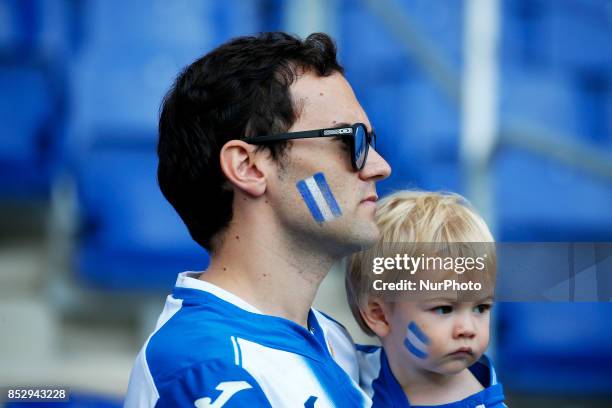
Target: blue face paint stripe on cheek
{"points": [[411, 348], [416, 341], [310, 201], [418, 332], [327, 194], [318, 198], [315, 191]]}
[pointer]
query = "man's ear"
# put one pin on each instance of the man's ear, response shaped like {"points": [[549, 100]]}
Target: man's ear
{"points": [[242, 168], [376, 315]]}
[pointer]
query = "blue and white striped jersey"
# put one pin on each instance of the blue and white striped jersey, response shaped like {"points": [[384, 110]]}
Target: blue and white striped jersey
{"points": [[378, 382], [212, 349]]}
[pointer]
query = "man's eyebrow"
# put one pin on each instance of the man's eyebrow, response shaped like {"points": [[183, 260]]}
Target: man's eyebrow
{"points": [[342, 124]]}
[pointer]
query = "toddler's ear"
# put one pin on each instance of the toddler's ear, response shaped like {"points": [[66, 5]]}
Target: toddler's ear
{"points": [[376, 315]]}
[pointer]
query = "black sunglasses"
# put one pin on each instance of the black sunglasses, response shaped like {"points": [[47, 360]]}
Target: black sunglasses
{"points": [[357, 135]]}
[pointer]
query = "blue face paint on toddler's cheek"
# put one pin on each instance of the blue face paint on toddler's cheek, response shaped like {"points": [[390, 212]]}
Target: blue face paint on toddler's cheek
{"points": [[318, 198], [416, 341]]}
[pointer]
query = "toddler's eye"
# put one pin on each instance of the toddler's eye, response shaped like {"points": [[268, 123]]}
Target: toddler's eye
{"points": [[482, 308], [442, 310]]}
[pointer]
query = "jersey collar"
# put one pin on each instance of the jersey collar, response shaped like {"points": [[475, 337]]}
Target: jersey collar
{"points": [[269, 330], [190, 280]]}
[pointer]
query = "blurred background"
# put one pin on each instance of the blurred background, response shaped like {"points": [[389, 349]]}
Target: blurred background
{"points": [[508, 102]]}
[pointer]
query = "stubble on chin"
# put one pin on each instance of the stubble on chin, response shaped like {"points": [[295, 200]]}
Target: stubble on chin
{"points": [[366, 235]]}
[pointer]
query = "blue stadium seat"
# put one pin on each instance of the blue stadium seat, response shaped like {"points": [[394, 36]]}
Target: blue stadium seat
{"points": [[130, 237], [577, 34], [540, 200], [31, 125], [559, 348], [521, 33], [563, 34], [33, 44], [539, 96], [595, 104]]}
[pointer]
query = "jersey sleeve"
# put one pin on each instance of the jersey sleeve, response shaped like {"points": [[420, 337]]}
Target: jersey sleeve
{"points": [[212, 384]]}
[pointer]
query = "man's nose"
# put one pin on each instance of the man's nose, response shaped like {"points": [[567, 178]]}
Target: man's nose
{"points": [[376, 167]]}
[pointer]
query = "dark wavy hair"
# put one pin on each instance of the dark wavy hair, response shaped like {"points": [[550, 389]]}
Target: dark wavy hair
{"points": [[240, 89]]}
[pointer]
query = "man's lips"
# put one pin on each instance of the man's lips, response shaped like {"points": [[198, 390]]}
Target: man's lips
{"points": [[371, 198]]}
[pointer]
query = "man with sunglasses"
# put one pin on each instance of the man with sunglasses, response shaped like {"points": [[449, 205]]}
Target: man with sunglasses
{"points": [[267, 156]]}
